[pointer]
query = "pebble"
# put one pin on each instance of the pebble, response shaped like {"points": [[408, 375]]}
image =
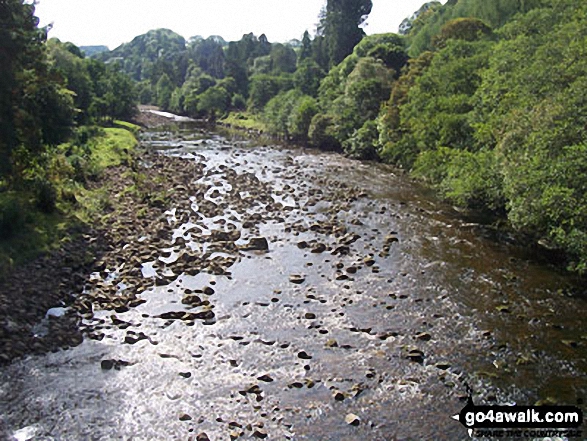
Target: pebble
{"points": [[296, 278], [352, 420], [184, 417]]}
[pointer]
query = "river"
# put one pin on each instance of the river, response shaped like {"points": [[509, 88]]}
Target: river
{"points": [[373, 309]]}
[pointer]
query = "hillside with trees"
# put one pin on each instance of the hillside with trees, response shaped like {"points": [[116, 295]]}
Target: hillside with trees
{"points": [[57, 108], [482, 100]]}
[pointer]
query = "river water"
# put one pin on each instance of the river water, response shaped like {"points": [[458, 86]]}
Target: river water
{"points": [[375, 302]]}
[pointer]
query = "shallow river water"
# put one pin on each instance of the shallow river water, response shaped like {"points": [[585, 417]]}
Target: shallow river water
{"points": [[375, 304]]}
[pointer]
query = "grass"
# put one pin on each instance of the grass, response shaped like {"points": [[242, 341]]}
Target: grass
{"points": [[30, 231], [25, 231], [133, 128], [112, 149], [244, 120]]}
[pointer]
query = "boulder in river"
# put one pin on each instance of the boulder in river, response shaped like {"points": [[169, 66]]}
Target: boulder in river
{"points": [[352, 420]]}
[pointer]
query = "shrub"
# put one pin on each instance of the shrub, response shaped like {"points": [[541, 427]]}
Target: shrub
{"points": [[12, 217], [321, 133], [45, 196]]}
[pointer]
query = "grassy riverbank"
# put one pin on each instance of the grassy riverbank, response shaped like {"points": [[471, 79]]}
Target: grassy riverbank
{"points": [[245, 121], [39, 217]]}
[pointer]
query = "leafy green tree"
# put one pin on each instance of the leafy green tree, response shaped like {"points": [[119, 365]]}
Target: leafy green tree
{"points": [[340, 24], [307, 77], [66, 61], [320, 52], [144, 92], [397, 143], [300, 118], [164, 90], [150, 55], [214, 101], [262, 65], [208, 55], [531, 109], [265, 87], [321, 133], [277, 112], [439, 105], [283, 59], [468, 29], [363, 144], [306, 49], [35, 110], [494, 13]]}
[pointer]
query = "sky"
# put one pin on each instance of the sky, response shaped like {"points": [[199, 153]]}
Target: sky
{"points": [[113, 22]]}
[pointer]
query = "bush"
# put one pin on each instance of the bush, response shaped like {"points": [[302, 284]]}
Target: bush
{"points": [[466, 178], [301, 116], [12, 217], [364, 142], [321, 133], [45, 196], [239, 102]]}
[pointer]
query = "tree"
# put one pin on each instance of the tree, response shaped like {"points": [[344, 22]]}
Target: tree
{"points": [[265, 87], [164, 90], [283, 58], [35, 109], [214, 101], [66, 61], [468, 29], [306, 50], [340, 24], [209, 56], [308, 76]]}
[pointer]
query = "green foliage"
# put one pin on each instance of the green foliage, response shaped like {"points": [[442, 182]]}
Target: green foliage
{"points": [[306, 49], [144, 57], [214, 101], [301, 117], [466, 178], [35, 109], [413, 23], [289, 114], [468, 29], [494, 13], [307, 77], [283, 59], [340, 25], [208, 55], [397, 143], [12, 215], [321, 133], [244, 120], [277, 112], [238, 102], [265, 87], [364, 142], [164, 90], [502, 126], [46, 196], [438, 107], [352, 93]]}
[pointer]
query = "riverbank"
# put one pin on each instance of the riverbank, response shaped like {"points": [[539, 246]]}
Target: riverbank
{"points": [[47, 257]]}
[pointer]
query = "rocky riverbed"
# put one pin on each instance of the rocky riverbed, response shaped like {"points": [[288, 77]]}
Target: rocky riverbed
{"points": [[245, 291]]}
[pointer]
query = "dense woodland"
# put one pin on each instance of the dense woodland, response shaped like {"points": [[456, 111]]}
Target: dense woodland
{"points": [[484, 100]]}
